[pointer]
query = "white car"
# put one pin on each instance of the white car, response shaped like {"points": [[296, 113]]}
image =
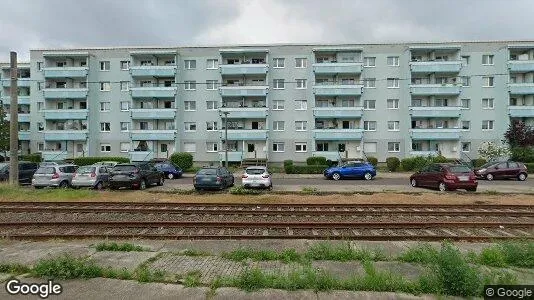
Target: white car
{"points": [[257, 176]]}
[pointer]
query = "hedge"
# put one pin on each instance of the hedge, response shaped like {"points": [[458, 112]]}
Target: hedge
{"points": [[440, 159], [34, 157], [476, 163], [525, 155], [530, 167], [85, 161], [415, 163], [183, 160], [317, 169], [372, 160], [316, 161], [393, 163]]}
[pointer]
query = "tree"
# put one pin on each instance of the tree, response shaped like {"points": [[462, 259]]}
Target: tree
{"points": [[490, 151], [4, 132], [519, 135]]}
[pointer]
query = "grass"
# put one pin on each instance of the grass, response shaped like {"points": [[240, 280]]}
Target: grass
{"points": [[422, 253], [310, 190], [241, 190], [125, 247], [16, 269], [47, 194], [341, 252], [194, 252], [192, 279], [288, 255]]}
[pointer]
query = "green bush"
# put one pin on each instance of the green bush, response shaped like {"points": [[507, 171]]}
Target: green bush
{"points": [[305, 169], [392, 163], [407, 164], [372, 160], [241, 190], [288, 162], [523, 154], [86, 161], [530, 167], [316, 161], [183, 160], [416, 163], [478, 162], [440, 159], [34, 157], [288, 166]]}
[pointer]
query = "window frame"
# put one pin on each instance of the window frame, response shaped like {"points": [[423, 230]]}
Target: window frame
{"points": [[395, 61], [214, 65], [103, 64], [396, 147], [304, 126], [212, 149], [103, 127], [396, 125], [276, 64], [103, 147], [127, 126], [188, 128], [190, 85], [302, 82], [303, 147], [395, 101], [189, 102], [367, 59], [303, 61], [277, 128], [278, 107], [277, 144], [276, 84], [190, 64], [370, 122], [492, 122]]}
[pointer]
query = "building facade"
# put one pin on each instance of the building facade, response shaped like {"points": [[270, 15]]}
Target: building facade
{"points": [[278, 102]]}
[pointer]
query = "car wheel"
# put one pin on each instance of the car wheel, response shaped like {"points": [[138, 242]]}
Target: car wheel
{"points": [[38, 187], [63, 185], [522, 176], [142, 184], [161, 181], [170, 175], [442, 187], [414, 182], [471, 189], [336, 176], [233, 182], [99, 186], [368, 176], [489, 177], [198, 189]]}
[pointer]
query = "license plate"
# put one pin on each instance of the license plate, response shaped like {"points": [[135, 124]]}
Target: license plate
{"points": [[463, 178]]}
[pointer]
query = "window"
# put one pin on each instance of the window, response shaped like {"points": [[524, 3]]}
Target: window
{"points": [[321, 147], [105, 86], [278, 62], [393, 147], [487, 103], [212, 105], [487, 60], [125, 126], [40, 106], [369, 61], [466, 81], [61, 64], [125, 105], [369, 104], [190, 85], [278, 84], [169, 125], [466, 103], [441, 102], [393, 125], [393, 82], [105, 127], [211, 85], [143, 126], [125, 147], [105, 106], [146, 63], [125, 64], [212, 147], [369, 147], [393, 61], [278, 104], [278, 147], [301, 104], [301, 83], [487, 81], [125, 86], [369, 125], [190, 147], [465, 60], [278, 125], [212, 64], [105, 147], [211, 126], [190, 105], [40, 126], [190, 126], [190, 64], [393, 103], [40, 146], [104, 65], [466, 146], [301, 125], [466, 125], [301, 147], [39, 66], [417, 146], [301, 62], [487, 125], [39, 86], [369, 83]]}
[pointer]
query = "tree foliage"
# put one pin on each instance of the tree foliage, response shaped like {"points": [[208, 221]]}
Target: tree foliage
{"points": [[519, 135], [491, 151], [4, 131]]}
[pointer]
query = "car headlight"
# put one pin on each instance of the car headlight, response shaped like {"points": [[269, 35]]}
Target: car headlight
{"points": [[481, 170]]}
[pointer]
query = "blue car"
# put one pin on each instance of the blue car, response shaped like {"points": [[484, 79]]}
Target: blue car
{"points": [[351, 169], [170, 170]]}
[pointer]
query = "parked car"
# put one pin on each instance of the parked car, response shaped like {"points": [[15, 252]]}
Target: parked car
{"points": [[53, 176], [213, 178], [95, 176], [352, 169], [502, 170], [257, 176], [135, 175], [26, 170], [109, 164], [48, 163], [169, 170], [445, 177]]}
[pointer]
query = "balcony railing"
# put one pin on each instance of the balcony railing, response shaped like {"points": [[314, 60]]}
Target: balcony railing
{"points": [[54, 155], [65, 72], [153, 91], [21, 82], [153, 113], [337, 89], [338, 112], [153, 135], [435, 111], [232, 155], [435, 89], [331, 155], [65, 93], [244, 69], [338, 68], [245, 112], [24, 135], [153, 71], [244, 134], [65, 135], [436, 66], [20, 100], [22, 117], [424, 153], [521, 111], [65, 114], [337, 134], [521, 66], [435, 133], [141, 155], [521, 88], [244, 91]]}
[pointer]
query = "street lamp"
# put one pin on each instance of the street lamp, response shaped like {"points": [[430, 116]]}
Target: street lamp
{"points": [[225, 113]]}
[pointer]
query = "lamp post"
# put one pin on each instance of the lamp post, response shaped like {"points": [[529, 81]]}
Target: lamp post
{"points": [[225, 113]]}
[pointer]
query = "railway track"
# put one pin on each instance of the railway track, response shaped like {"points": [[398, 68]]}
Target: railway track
{"points": [[42, 220]]}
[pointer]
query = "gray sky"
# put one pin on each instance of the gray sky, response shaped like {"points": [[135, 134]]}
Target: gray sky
{"points": [[30, 24]]}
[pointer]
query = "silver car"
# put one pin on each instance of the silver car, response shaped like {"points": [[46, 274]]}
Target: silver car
{"points": [[257, 176], [95, 176], [54, 176]]}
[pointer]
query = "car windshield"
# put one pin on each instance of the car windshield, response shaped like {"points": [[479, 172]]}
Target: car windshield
{"points": [[86, 170], [207, 172], [124, 168], [45, 170], [4, 167], [255, 171], [460, 169], [486, 165]]}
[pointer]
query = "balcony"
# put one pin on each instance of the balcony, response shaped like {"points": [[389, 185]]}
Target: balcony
{"points": [[338, 112], [65, 72], [244, 91], [21, 82], [245, 112], [435, 111], [338, 134], [141, 155], [338, 90], [521, 88], [435, 89], [24, 135], [153, 71], [20, 100], [521, 111], [23, 118], [54, 155], [521, 66], [424, 153], [435, 134], [153, 92], [153, 113], [70, 93], [232, 155], [244, 134], [65, 114], [436, 66], [331, 155], [337, 68], [244, 69], [152, 135], [65, 135]]}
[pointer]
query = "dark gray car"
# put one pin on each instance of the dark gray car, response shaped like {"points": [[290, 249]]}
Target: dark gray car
{"points": [[26, 170], [213, 178]]}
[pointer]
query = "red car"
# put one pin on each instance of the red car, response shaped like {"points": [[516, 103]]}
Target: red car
{"points": [[504, 169], [445, 177]]}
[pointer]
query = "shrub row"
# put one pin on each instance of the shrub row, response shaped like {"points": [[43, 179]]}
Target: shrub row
{"points": [[34, 157], [316, 161], [393, 163], [523, 154], [85, 161], [372, 160], [530, 167], [478, 162], [183, 160]]}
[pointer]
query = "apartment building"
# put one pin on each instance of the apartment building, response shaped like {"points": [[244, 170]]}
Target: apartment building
{"points": [[278, 102]]}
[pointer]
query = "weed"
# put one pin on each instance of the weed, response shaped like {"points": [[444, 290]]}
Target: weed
{"points": [[341, 252], [125, 247], [16, 269], [519, 254], [422, 253], [249, 253], [67, 267], [310, 190], [379, 281], [192, 279], [241, 190], [492, 256], [19, 193]]}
